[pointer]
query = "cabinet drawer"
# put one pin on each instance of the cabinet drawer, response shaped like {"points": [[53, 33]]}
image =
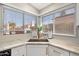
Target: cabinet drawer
{"points": [[19, 51], [73, 54], [37, 46], [37, 50], [55, 51]]}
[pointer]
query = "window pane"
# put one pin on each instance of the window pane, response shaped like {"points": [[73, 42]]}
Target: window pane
{"points": [[29, 23], [47, 19], [48, 24], [13, 22], [65, 24], [19, 22], [70, 11], [58, 14]]}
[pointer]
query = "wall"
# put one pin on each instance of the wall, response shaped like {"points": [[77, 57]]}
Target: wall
{"points": [[24, 7], [77, 19], [77, 14], [1, 26]]}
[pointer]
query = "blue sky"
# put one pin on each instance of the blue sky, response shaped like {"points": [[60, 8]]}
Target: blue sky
{"points": [[47, 19], [29, 19], [12, 16]]}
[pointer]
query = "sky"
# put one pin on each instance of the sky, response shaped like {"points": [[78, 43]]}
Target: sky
{"points": [[48, 19], [16, 17]]}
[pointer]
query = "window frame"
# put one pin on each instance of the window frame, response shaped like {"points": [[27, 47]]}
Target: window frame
{"points": [[1, 19]]}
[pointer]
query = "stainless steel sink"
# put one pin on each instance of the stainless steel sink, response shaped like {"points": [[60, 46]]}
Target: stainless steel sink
{"points": [[38, 40]]}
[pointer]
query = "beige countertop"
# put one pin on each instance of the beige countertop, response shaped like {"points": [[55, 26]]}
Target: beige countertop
{"points": [[61, 43], [65, 44]]}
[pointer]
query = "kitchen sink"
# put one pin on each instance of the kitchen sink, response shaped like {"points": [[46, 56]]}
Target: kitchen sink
{"points": [[38, 40]]}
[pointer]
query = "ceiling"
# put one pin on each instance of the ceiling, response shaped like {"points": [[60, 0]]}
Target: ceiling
{"points": [[39, 6]]}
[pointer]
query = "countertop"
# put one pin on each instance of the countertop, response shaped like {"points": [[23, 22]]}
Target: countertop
{"points": [[65, 44], [61, 43]]}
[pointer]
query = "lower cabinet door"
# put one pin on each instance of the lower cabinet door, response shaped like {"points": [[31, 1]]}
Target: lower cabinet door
{"points": [[73, 54], [54, 51], [18, 51], [37, 50]]}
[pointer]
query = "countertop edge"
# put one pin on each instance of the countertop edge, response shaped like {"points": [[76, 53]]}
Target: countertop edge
{"points": [[43, 43]]}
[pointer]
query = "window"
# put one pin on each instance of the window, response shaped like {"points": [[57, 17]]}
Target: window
{"points": [[13, 22], [70, 11], [48, 24], [65, 24], [29, 23], [58, 14]]}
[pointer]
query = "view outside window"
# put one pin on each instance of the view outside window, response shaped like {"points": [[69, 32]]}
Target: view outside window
{"points": [[58, 14], [48, 24], [13, 22], [29, 23], [65, 24]]}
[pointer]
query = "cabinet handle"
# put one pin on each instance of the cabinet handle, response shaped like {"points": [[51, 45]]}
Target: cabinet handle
{"points": [[4, 53]]}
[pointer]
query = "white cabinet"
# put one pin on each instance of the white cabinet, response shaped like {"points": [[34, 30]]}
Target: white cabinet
{"points": [[54, 51], [19, 51], [37, 50], [73, 54]]}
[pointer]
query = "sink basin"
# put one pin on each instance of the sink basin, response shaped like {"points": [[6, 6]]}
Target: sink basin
{"points": [[38, 40]]}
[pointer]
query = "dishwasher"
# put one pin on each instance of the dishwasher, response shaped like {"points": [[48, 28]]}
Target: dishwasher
{"points": [[5, 52]]}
